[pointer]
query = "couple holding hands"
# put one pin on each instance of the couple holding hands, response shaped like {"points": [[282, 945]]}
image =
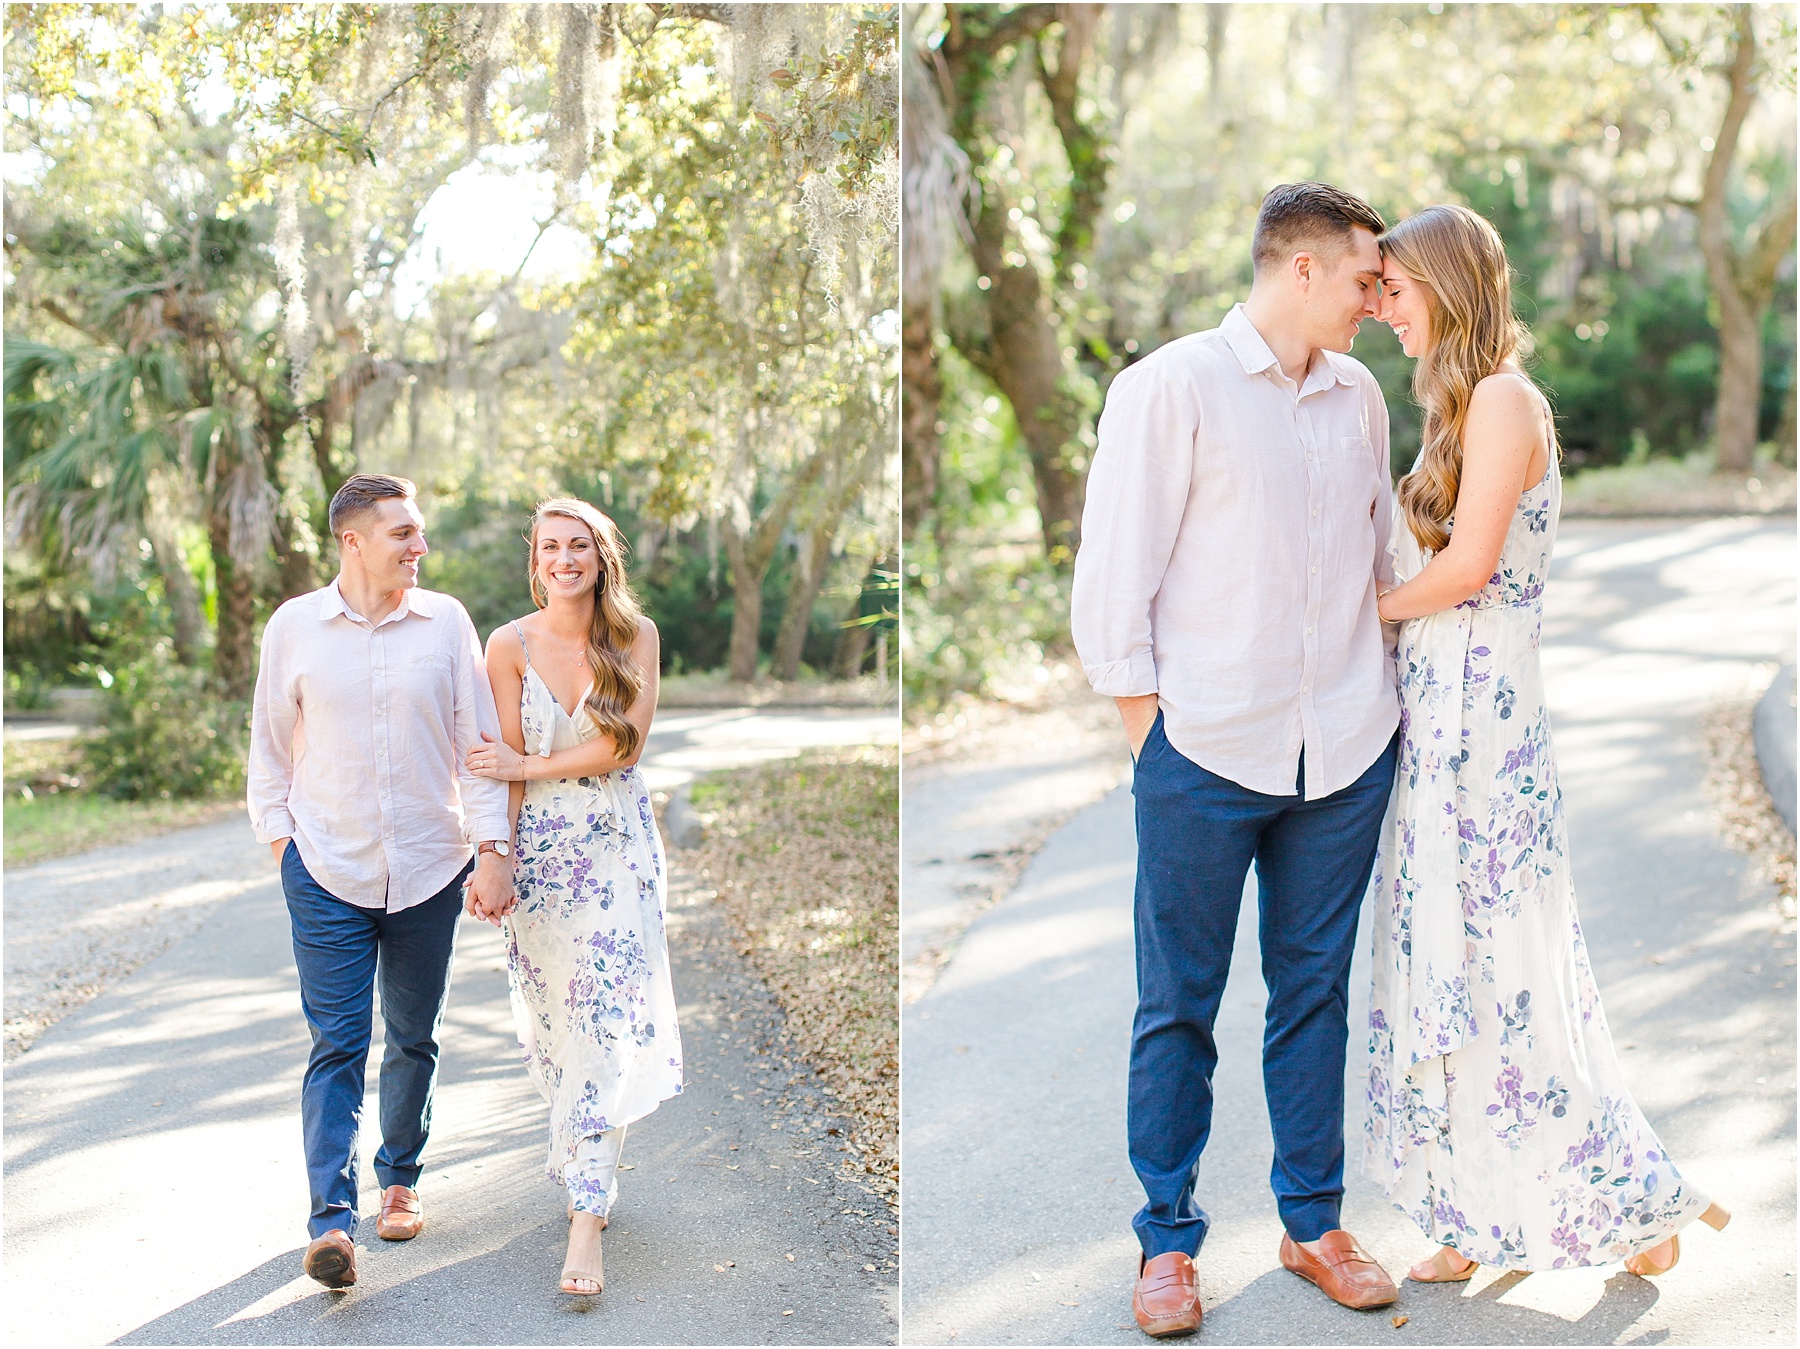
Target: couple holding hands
{"points": [[383, 749], [1339, 683]]}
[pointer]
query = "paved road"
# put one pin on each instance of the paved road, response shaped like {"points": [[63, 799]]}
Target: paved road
{"points": [[1019, 1194], [154, 1192], [969, 819]]}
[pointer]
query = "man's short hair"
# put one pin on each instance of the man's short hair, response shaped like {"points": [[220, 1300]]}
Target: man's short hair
{"points": [[357, 497], [1295, 215]]}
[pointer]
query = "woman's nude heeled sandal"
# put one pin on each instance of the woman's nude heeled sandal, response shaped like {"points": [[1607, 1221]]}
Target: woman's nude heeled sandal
{"points": [[1441, 1269], [597, 1276], [1715, 1217]]}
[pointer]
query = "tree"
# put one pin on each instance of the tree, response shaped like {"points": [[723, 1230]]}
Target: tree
{"points": [[314, 136], [1741, 274], [1012, 335]]}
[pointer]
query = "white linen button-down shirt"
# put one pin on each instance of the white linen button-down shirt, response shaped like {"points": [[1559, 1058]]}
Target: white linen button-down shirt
{"points": [[1235, 530], [357, 744]]}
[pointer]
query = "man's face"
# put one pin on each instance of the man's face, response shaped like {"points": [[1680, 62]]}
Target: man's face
{"points": [[1344, 291], [390, 540]]}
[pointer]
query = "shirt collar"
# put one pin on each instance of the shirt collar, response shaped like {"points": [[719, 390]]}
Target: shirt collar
{"points": [[1254, 355], [412, 601]]}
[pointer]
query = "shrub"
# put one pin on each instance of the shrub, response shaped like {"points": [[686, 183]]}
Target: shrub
{"points": [[167, 734]]}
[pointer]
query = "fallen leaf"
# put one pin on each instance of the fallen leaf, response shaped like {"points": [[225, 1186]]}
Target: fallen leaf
{"points": [[1071, 1304], [718, 1269], [790, 1257], [731, 1168], [787, 1313], [627, 1166], [1399, 1321], [868, 1269]]}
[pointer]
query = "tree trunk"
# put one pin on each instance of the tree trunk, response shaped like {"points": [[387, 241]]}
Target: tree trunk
{"points": [[853, 637], [1024, 354], [746, 604], [1740, 385], [750, 553], [796, 618], [179, 588], [922, 388], [1742, 281], [852, 643], [234, 653], [1026, 361], [295, 572]]}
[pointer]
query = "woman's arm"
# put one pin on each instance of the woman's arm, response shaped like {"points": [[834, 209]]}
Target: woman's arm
{"points": [[598, 755], [506, 675], [1500, 442]]}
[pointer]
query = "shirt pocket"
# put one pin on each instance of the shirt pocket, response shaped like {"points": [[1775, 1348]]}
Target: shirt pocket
{"points": [[1353, 468], [428, 681]]}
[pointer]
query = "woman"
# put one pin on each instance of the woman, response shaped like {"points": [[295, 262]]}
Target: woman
{"points": [[1499, 1118], [576, 687]]}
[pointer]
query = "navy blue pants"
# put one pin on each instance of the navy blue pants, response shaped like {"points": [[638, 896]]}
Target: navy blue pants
{"points": [[339, 949], [1198, 834]]}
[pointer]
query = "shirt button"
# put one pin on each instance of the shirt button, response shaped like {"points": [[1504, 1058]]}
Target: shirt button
{"points": [[1306, 688], [1315, 571], [1309, 632], [1315, 512]]}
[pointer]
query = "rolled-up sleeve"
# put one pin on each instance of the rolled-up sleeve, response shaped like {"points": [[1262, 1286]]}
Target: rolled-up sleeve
{"points": [[274, 713], [484, 799], [1137, 493]]}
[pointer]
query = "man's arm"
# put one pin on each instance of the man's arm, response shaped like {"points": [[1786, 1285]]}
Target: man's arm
{"points": [[1137, 494], [274, 713]]}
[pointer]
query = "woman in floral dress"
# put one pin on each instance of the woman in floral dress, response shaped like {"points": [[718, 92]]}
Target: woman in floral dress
{"points": [[1499, 1119], [576, 686]]}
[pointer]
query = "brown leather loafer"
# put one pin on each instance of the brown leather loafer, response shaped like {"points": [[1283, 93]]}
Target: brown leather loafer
{"points": [[332, 1260], [1343, 1270], [402, 1216], [1167, 1299]]}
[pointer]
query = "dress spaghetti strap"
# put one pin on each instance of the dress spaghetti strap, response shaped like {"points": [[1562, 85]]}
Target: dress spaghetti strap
{"points": [[514, 624]]}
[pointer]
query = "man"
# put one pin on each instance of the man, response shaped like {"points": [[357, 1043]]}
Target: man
{"points": [[1233, 542], [370, 693]]}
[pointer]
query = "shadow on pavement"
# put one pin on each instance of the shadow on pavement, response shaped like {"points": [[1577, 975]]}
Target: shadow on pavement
{"points": [[1444, 1314]]}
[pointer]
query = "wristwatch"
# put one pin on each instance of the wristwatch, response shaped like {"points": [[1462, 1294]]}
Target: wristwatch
{"points": [[499, 846]]}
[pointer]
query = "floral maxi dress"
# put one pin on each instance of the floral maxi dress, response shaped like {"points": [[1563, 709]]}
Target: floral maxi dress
{"points": [[586, 954], [1498, 1115]]}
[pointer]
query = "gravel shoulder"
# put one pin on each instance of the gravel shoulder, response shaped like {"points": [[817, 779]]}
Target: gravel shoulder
{"points": [[983, 786]]}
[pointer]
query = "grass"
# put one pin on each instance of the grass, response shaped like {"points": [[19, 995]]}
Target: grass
{"points": [[56, 819], [804, 856], [1679, 487], [712, 688]]}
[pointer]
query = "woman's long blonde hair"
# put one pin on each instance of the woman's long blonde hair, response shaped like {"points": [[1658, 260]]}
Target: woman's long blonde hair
{"points": [[1458, 261], [617, 680]]}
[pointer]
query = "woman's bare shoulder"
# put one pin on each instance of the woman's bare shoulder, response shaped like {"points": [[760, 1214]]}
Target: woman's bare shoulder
{"points": [[1506, 394], [504, 641]]}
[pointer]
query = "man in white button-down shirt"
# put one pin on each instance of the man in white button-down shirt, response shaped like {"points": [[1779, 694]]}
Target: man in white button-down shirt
{"points": [[1234, 541], [369, 695]]}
